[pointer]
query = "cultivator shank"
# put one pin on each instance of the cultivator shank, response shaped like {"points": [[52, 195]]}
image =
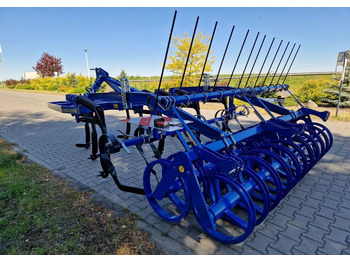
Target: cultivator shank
{"points": [[230, 180]]}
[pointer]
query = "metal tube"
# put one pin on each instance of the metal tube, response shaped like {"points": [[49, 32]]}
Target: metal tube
{"points": [[291, 65], [273, 60], [239, 54], [188, 55], [280, 62], [256, 58], [223, 57], [206, 58], [251, 51], [165, 58], [285, 64], [267, 54]]}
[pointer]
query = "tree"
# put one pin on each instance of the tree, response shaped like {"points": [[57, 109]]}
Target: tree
{"points": [[196, 60], [47, 65], [122, 74]]}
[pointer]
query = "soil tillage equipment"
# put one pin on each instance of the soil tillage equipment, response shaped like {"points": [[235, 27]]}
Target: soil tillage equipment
{"points": [[229, 180]]}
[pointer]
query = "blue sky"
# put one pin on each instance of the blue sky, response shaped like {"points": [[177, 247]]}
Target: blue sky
{"points": [[135, 38]]}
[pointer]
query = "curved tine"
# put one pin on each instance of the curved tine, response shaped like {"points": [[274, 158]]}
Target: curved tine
{"points": [[279, 62], [256, 58]]}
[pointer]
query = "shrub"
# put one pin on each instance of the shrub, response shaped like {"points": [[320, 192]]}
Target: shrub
{"points": [[314, 90], [24, 86]]}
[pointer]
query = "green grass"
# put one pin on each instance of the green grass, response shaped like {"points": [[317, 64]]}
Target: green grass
{"points": [[40, 214]]}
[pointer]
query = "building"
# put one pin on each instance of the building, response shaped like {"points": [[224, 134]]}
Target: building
{"points": [[30, 75]]}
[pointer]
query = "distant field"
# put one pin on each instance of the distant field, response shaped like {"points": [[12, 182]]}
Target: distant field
{"points": [[295, 82]]}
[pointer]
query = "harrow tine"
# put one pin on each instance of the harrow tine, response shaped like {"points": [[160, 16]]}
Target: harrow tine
{"points": [[206, 57], [239, 55], [291, 64], [279, 63], [267, 54], [250, 54], [165, 58], [256, 58], [273, 60], [188, 56], [223, 57], [285, 64]]}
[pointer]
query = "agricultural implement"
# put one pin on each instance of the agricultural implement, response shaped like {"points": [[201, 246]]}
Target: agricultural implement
{"points": [[229, 179]]}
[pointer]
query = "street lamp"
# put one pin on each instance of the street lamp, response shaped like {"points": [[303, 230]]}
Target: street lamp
{"points": [[87, 64]]}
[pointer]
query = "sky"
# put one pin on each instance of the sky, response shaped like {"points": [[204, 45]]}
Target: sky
{"points": [[135, 39]]}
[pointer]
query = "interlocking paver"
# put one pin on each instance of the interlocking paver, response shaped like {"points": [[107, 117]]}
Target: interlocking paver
{"points": [[319, 206], [307, 246]]}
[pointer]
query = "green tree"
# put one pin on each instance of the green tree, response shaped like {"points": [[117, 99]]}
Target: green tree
{"points": [[122, 74], [199, 50]]}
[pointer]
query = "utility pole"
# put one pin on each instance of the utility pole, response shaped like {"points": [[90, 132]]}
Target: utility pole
{"points": [[87, 64]]}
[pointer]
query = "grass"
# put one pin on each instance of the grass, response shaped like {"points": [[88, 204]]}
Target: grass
{"points": [[40, 214]]}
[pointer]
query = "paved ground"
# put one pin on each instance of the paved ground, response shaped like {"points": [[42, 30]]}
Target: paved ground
{"points": [[314, 218]]}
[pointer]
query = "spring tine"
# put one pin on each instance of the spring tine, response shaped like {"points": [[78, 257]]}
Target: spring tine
{"points": [[267, 54], [223, 57], [206, 58], [251, 51], [188, 55], [291, 64], [256, 58], [239, 54], [165, 58], [285, 64], [280, 62], [273, 60]]}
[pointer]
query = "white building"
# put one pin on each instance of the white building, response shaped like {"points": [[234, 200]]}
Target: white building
{"points": [[30, 75]]}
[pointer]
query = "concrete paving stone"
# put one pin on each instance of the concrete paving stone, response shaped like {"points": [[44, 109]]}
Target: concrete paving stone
{"points": [[307, 211], [226, 250], [307, 246], [272, 251], [301, 221], [346, 196], [338, 189], [320, 188], [315, 233], [338, 235], [284, 244], [247, 250], [341, 223], [325, 182], [303, 187], [312, 202], [297, 252], [316, 195], [299, 193], [280, 220], [287, 210], [293, 201], [343, 177], [260, 243], [271, 230], [332, 248], [293, 232], [345, 204], [330, 203], [326, 212], [335, 195], [322, 222], [344, 213], [339, 182]]}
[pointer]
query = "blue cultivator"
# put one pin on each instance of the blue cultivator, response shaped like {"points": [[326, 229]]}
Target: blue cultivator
{"points": [[230, 180]]}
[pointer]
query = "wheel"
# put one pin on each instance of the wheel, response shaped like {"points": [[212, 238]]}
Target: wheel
{"points": [[175, 203], [233, 215]]}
